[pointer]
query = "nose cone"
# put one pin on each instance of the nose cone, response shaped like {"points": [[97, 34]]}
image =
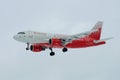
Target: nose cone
{"points": [[18, 37], [15, 37], [22, 37]]}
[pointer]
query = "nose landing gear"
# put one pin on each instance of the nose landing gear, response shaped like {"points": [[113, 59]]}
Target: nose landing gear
{"points": [[27, 48]]}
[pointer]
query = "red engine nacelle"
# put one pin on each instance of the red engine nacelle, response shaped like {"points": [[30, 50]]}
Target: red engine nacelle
{"points": [[36, 48], [55, 42]]}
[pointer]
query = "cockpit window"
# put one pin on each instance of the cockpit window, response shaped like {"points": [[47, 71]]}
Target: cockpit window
{"points": [[21, 32]]}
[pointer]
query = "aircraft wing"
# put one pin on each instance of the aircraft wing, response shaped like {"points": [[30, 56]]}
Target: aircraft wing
{"points": [[69, 39], [77, 36]]}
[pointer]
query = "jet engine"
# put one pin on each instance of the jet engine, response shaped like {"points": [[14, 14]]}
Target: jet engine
{"points": [[55, 42], [36, 48]]}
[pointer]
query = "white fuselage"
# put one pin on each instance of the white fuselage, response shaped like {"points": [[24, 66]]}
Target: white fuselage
{"points": [[35, 37]]}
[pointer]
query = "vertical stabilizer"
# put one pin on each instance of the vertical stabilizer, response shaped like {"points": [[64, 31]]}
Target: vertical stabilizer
{"points": [[96, 30]]}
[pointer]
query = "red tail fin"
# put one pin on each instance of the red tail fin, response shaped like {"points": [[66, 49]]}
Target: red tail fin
{"points": [[96, 31]]}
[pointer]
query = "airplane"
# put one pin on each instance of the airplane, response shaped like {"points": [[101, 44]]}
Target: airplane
{"points": [[39, 41]]}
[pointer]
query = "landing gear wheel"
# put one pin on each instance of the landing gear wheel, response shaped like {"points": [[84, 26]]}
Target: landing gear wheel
{"points": [[65, 49], [27, 48], [52, 53]]}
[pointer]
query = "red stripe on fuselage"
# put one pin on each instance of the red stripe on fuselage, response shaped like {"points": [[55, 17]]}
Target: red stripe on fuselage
{"points": [[79, 43]]}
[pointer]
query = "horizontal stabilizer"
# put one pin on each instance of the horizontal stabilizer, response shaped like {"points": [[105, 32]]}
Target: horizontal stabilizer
{"points": [[98, 41]]}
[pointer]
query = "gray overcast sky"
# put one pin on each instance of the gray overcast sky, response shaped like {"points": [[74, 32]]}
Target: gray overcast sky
{"points": [[64, 17]]}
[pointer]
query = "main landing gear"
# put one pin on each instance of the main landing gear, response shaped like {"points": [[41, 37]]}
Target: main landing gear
{"points": [[64, 49], [53, 53], [51, 43]]}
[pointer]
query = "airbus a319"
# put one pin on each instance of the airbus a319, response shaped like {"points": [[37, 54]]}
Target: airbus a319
{"points": [[38, 41]]}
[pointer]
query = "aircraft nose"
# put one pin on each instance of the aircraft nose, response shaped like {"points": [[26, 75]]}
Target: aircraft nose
{"points": [[15, 37]]}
